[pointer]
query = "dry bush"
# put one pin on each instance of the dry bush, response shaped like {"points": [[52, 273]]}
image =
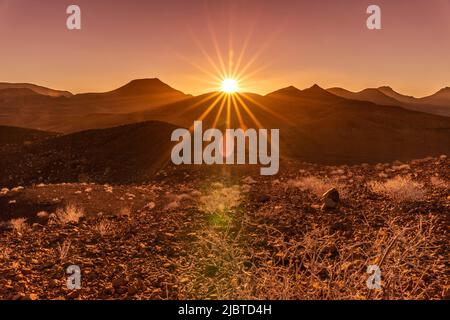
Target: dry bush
{"points": [[19, 225], [104, 228], [317, 186], [320, 264], [323, 265], [439, 183], [410, 259], [399, 188], [63, 250], [220, 199], [70, 213], [220, 269]]}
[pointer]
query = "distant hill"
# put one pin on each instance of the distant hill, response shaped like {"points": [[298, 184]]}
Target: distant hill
{"points": [[38, 89], [17, 92], [13, 137], [372, 95], [397, 96], [438, 103], [51, 113], [442, 98], [315, 125], [146, 86], [125, 154], [315, 93]]}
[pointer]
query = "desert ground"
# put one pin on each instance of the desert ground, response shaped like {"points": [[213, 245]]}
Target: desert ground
{"points": [[229, 233], [87, 180]]}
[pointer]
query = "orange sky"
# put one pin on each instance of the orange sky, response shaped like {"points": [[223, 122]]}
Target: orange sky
{"points": [[292, 42]]}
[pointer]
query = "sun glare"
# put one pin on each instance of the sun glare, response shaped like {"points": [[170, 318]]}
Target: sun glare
{"points": [[230, 85]]}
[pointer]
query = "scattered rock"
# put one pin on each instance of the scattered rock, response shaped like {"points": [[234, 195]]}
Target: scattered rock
{"points": [[119, 282], [42, 215], [150, 206], [330, 199]]}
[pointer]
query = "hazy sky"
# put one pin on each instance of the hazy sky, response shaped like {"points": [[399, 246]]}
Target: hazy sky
{"points": [[291, 42]]}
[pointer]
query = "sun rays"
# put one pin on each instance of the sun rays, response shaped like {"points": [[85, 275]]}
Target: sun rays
{"points": [[229, 70]]}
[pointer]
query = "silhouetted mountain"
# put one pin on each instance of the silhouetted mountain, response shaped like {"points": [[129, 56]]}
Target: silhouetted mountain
{"points": [[313, 93], [316, 126], [139, 95], [290, 91], [125, 154], [435, 104], [397, 96], [442, 98], [146, 87], [370, 94], [38, 89], [13, 137], [16, 92], [337, 131]]}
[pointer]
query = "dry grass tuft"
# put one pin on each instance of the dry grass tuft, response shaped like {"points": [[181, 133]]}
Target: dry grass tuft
{"points": [[439, 183], [220, 199], [317, 186], [104, 228], [63, 250], [69, 214], [399, 188], [19, 225]]}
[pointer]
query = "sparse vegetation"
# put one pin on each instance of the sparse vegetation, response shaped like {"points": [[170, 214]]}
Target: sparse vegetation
{"points": [[104, 228], [63, 249], [19, 225], [264, 240], [400, 188], [69, 214], [439, 183], [315, 185], [220, 199]]}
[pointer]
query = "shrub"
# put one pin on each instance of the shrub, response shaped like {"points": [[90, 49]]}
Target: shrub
{"points": [[399, 188], [71, 213], [315, 185], [19, 225]]}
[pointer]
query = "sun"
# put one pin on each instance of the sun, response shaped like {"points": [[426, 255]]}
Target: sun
{"points": [[230, 85]]}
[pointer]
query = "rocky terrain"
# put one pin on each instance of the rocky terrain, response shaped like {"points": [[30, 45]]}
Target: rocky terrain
{"points": [[107, 199], [228, 233]]}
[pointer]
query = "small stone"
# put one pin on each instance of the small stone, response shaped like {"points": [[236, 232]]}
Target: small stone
{"points": [[330, 199], [32, 296], [132, 290], [150, 205], [119, 282], [42, 215]]}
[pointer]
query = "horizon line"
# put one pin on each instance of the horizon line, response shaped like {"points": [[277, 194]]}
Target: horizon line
{"points": [[218, 90]]}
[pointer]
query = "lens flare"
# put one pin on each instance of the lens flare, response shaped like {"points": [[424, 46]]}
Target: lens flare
{"points": [[230, 85]]}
